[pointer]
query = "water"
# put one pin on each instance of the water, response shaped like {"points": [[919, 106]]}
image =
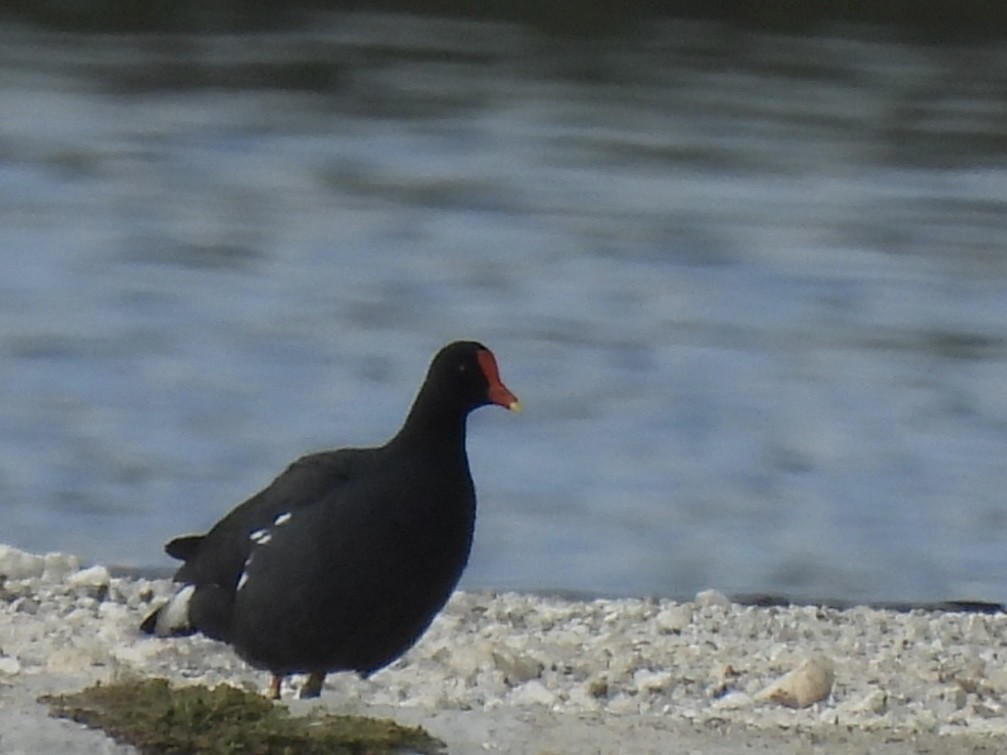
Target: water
{"points": [[752, 291]]}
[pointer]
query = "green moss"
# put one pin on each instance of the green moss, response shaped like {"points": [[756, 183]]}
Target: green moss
{"points": [[159, 719]]}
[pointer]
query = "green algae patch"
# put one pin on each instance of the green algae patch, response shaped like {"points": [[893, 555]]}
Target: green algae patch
{"points": [[158, 719]]}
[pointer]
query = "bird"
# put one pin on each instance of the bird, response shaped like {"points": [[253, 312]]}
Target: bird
{"points": [[343, 561]]}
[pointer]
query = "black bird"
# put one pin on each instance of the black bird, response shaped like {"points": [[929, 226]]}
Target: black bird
{"points": [[343, 561]]}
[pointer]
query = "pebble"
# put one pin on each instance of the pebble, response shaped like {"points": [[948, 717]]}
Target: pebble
{"points": [[674, 619], [15, 564], [56, 566], [809, 683], [733, 701], [516, 669], [94, 577], [707, 661], [712, 599], [875, 703], [648, 681], [533, 693]]}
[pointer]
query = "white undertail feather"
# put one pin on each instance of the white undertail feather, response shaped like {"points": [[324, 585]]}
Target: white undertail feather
{"points": [[174, 615]]}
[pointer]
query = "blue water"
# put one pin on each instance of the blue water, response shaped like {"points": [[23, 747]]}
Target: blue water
{"points": [[751, 290]]}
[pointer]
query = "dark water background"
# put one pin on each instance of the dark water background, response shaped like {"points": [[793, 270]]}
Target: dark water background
{"points": [[751, 288]]}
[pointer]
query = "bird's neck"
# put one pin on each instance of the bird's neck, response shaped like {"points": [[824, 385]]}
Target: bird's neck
{"points": [[433, 424]]}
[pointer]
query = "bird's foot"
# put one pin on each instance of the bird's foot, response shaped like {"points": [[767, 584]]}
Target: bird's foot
{"points": [[313, 685], [273, 690]]}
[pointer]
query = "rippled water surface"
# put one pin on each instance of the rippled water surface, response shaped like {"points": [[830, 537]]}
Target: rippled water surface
{"points": [[752, 291]]}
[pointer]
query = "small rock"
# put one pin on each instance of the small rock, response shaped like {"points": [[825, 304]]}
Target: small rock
{"points": [[585, 696], [652, 681], [597, 687], [806, 685], [874, 703], [490, 685], [533, 693], [113, 612], [997, 678], [9, 665], [722, 680], [957, 696], [56, 566], [711, 599], [465, 661], [517, 669], [732, 701], [79, 618], [674, 619], [926, 720], [623, 705], [917, 627], [971, 677], [96, 577], [977, 628], [16, 564], [143, 593], [26, 605], [988, 710]]}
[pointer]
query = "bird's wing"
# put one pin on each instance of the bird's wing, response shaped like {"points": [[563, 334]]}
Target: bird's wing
{"points": [[218, 557]]}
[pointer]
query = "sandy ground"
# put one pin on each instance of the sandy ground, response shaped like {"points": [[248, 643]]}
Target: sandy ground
{"points": [[524, 674], [26, 727], [545, 733]]}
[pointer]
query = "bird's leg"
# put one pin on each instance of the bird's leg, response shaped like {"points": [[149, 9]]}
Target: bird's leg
{"points": [[313, 684], [273, 692]]}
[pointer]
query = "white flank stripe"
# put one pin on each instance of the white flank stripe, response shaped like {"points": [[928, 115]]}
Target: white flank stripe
{"points": [[243, 579], [282, 518], [258, 535]]}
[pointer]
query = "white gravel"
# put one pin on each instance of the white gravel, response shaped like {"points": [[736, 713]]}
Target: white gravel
{"points": [[519, 673]]}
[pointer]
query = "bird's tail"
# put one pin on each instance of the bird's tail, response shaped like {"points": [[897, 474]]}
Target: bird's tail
{"points": [[171, 619], [206, 609]]}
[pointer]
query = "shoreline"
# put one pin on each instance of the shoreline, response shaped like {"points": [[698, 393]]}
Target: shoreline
{"points": [[756, 600], [523, 673]]}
